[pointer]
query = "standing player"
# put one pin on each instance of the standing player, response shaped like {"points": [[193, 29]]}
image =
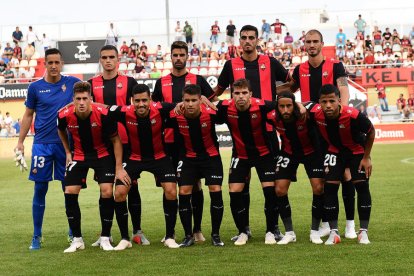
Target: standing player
{"points": [[300, 144], [245, 117], [111, 88], [309, 77], [200, 158], [350, 136], [262, 71], [169, 89], [144, 122], [92, 132], [45, 97]]}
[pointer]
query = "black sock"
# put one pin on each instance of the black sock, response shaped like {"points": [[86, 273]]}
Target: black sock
{"points": [[285, 212], [317, 210], [216, 211], [106, 208], [73, 214], [170, 215], [184, 208], [331, 204], [348, 195], [134, 207], [197, 203], [238, 211], [246, 200], [364, 203], [121, 212], [269, 208]]}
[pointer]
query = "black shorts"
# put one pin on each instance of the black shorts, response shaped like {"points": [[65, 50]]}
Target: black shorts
{"points": [[335, 164], [77, 172], [274, 143], [287, 166], [240, 169], [173, 151], [162, 169], [190, 170]]}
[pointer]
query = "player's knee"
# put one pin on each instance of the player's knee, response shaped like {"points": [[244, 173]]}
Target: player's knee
{"points": [[362, 187], [214, 188], [72, 189], [236, 188], [281, 191], [120, 194], [186, 190], [317, 188], [106, 190], [170, 192]]}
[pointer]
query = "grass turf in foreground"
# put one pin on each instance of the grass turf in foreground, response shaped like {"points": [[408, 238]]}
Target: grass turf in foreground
{"points": [[390, 232]]}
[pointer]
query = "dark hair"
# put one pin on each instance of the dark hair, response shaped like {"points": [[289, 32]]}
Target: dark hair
{"points": [[109, 47], [242, 83], [329, 89], [287, 95], [140, 88], [192, 89], [313, 31], [81, 86], [179, 45], [52, 51], [249, 28]]}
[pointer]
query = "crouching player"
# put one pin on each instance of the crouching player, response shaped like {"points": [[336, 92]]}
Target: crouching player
{"points": [[350, 136], [299, 145], [200, 158], [144, 122], [92, 133]]}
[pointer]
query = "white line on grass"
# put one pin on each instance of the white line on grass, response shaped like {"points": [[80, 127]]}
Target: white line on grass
{"points": [[408, 160]]}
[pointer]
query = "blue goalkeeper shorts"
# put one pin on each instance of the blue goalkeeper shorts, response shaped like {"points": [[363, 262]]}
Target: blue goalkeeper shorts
{"points": [[47, 158]]}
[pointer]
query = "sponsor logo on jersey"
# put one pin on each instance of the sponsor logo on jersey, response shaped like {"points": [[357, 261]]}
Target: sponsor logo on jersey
{"points": [[45, 91], [168, 84], [321, 123], [240, 69]]}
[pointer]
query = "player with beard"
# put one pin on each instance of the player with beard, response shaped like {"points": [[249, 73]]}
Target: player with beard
{"points": [[169, 89], [300, 144], [262, 72], [349, 136], [309, 77]]}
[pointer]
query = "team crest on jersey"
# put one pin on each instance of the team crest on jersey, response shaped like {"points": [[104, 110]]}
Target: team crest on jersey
{"points": [[341, 126], [113, 108], [63, 87], [119, 85], [349, 111], [300, 127], [254, 116], [263, 67], [187, 82], [204, 125], [34, 171], [153, 121], [325, 74], [94, 124]]}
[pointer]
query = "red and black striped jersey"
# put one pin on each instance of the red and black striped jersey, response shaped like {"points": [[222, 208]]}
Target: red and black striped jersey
{"points": [[145, 133], [344, 134], [115, 91], [262, 74], [247, 128], [299, 137], [91, 136], [197, 135], [311, 79]]}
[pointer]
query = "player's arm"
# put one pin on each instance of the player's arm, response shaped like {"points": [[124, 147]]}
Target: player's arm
{"points": [[64, 138], [366, 160], [224, 79], [24, 129], [120, 172], [156, 95], [342, 83]]}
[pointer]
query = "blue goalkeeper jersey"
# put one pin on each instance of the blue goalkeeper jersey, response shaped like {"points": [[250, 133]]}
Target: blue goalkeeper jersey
{"points": [[46, 99]]}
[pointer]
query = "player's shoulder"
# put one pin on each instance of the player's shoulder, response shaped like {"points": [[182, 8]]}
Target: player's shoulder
{"points": [[313, 107], [257, 101], [352, 112], [227, 102], [66, 111], [208, 110], [96, 107], [156, 105], [37, 84]]}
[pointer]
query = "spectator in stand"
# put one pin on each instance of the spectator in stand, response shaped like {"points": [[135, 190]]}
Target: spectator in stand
{"points": [[8, 50], [17, 50], [302, 41], [277, 29], [143, 48], [374, 118], [359, 59], [368, 44], [204, 51], [23, 78], [359, 45], [138, 66], [215, 30], [405, 43], [195, 53], [159, 54], [232, 51], [362, 110], [340, 38], [14, 61], [379, 57], [133, 47], [31, 37], [377, 36], [188, 32], [3, 66], [360, 24], [155, 73], [395, 34], [288, 40], [8, 74], [401, 103], [265, 30], [386, 36], [369, 58], [408, 62], [124, 49], [143, 56], [17, 125], [382, 97], [29, 51], [410, 102], [407, 115], [17, 35], [45, 42], [178, 32], [411, 35], [396, 45], [143, 74], [350, 54], [8, 122], [230, 32], [278, 52], [112, 35], [222, 51]]}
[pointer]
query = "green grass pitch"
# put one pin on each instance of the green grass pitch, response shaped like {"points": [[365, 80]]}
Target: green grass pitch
{"points": [[391, 231]]}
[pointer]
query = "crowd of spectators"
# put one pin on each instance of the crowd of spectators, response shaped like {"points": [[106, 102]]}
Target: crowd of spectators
{"points": [[8, 126]]}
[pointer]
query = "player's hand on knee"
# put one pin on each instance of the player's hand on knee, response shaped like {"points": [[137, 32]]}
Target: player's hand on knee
{"points": [[123, 176]]}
